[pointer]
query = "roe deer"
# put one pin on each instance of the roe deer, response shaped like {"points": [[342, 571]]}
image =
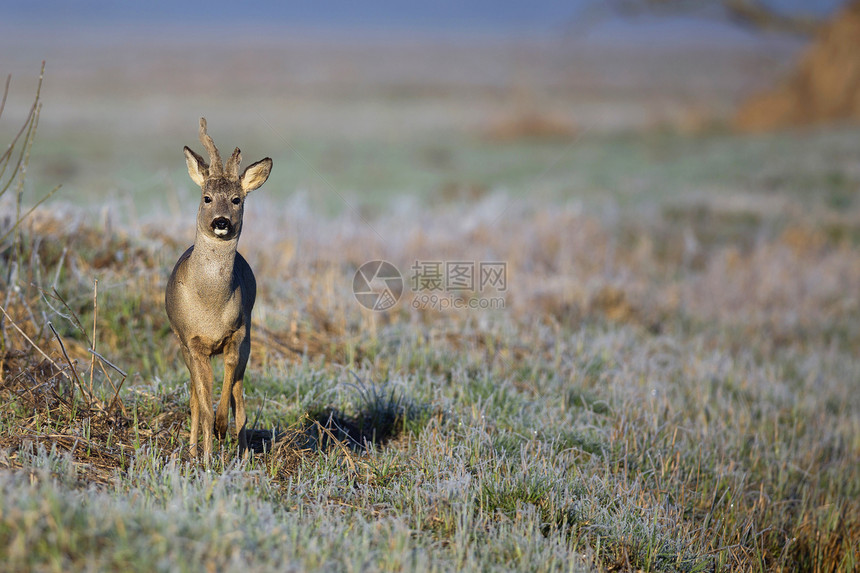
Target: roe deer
{"points": [[211, 291]]}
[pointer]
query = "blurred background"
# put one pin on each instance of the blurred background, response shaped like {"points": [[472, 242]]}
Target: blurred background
{"points": [[372, 106]]}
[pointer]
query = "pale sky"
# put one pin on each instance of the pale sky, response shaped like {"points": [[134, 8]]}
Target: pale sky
{"points": [[437, 15]]}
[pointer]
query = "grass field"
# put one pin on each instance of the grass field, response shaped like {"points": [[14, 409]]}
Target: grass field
{"points": [[669, 384]]}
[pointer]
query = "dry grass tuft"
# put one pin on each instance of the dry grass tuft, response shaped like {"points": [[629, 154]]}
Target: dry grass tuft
{"points": [[52, 411], [530, 124], [823, 88]]}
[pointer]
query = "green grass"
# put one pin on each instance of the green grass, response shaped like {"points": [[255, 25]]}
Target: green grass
{"points": [[692, 461]]}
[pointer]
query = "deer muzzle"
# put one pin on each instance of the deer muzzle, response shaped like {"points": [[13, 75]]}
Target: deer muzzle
{"points": [[222, 226]]}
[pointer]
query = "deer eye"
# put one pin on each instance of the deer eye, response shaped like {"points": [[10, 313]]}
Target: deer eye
{"points": [[236, 200], [207, 199]]}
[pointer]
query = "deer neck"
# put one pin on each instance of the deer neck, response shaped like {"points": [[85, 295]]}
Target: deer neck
{"points": [[211, 265]]}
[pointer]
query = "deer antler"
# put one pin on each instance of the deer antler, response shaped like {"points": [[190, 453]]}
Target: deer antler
{"points": [[232, 170], [216, 167]]}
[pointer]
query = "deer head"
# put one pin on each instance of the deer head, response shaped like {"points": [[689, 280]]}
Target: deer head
{"points": [[222, 202]]}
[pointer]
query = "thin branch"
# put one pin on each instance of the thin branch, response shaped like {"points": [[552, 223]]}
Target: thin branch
{"points": [[752, 14], [758, 15], [33, 344], [5, 94], [72, 366], [108, 362], [95, 322], [4, 159], [71, 317], [27, 214], [102, 361]]}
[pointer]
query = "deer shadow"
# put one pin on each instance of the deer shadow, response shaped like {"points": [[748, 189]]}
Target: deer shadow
{"points": [[381, 417]]}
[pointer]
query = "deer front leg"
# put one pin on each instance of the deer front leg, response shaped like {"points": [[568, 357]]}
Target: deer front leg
{"points": [[231, 361], [194, 402], [232, 396], [201, 401], [238, 403], [238, 391], [195, 419], [222, 414]]}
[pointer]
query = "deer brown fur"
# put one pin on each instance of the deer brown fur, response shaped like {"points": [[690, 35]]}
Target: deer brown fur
{"points": [[212, 289]]}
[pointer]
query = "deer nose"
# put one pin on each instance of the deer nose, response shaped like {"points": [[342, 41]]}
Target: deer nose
{"points": [[222, 226]]}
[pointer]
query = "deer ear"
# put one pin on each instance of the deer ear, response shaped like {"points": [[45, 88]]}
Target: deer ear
{"points": [[256, 174], [198, 169]]}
